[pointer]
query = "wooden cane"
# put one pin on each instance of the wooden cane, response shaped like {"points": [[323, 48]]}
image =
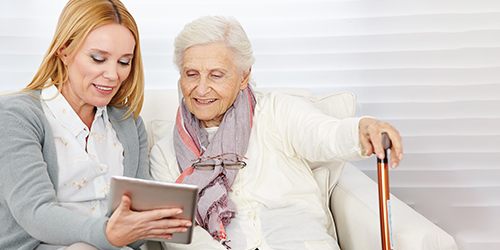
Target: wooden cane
{"points": [[384, 196]]}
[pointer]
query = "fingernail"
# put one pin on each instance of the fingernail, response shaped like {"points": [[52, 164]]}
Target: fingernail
{"points": [[381, 156], [179, 212], [400, 156], [188, 224], [394, 165], [184, 230]]}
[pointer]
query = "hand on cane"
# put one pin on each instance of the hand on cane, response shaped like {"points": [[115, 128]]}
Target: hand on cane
{"points": [[370, 136]]}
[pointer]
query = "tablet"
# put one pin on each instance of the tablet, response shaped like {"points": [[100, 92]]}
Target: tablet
{"points": [[149, 195]]}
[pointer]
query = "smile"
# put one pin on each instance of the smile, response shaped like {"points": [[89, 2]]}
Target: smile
{"points": [[205, 101], [103, 88]]}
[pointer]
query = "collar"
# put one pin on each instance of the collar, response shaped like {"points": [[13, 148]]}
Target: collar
{"points": [[63, 112]]}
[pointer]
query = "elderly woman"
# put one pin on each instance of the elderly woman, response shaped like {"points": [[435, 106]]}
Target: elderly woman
{"points": [[247, 151], [72, 128]]}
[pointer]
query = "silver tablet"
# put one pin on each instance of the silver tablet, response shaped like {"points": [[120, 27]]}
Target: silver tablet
{"points": [[149, 195]]}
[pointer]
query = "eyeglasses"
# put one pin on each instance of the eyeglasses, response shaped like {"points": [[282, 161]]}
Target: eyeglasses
{"points": [[210, 166]]}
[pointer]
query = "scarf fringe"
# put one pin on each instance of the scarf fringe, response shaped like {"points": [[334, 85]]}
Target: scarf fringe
{"points": [[223, 217], [225, 244]]}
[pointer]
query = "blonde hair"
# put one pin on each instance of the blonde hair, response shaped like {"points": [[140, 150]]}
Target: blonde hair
{"points": [[211, 29], [77, 20]]}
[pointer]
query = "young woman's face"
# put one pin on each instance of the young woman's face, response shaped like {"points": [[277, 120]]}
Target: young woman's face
{"points": [[99, 67], [210, 81]]}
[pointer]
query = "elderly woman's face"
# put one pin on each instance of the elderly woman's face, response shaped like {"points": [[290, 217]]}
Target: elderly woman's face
{"points": [[210, 81]]}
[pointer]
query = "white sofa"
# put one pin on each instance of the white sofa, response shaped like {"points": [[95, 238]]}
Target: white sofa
{"points": [[351, 195]]}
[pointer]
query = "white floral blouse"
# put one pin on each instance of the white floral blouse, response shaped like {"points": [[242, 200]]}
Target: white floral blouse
{"points": [[85, 166]]}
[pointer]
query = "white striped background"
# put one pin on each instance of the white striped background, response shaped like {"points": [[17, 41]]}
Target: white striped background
{"points": [[431, 68]]}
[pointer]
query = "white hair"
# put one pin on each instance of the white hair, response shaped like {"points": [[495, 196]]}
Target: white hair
{"points": [[211, 29]]}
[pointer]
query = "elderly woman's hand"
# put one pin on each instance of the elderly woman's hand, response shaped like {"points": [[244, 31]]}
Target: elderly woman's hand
{"points": [[370, 136]]}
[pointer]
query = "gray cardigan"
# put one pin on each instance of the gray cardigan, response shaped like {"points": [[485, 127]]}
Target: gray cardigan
{"points": [[29, 212]]}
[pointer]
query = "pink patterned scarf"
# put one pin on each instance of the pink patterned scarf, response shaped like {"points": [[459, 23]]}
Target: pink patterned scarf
{"points": [[230, 143]]}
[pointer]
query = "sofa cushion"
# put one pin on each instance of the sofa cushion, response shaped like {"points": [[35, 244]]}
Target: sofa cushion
{"points": [[160, 128], [339, 105]]}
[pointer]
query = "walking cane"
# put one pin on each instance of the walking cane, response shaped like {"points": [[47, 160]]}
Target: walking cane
{"points": [[384, 198]]}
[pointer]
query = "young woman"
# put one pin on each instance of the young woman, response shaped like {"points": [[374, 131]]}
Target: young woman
{"points": [[72, 128]]}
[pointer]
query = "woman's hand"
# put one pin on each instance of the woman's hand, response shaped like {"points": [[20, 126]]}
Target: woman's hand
{"points": [[126, 226], [370, 136]]}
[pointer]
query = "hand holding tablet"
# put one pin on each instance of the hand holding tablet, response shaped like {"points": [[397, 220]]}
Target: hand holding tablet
{"points": [[156, 202]]}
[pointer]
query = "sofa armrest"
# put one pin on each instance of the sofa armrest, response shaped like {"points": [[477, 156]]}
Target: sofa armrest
{"points": [[354, 204]]}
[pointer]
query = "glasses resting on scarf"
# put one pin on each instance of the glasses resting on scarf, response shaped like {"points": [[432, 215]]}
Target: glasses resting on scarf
{"points": [[210, 166]]}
